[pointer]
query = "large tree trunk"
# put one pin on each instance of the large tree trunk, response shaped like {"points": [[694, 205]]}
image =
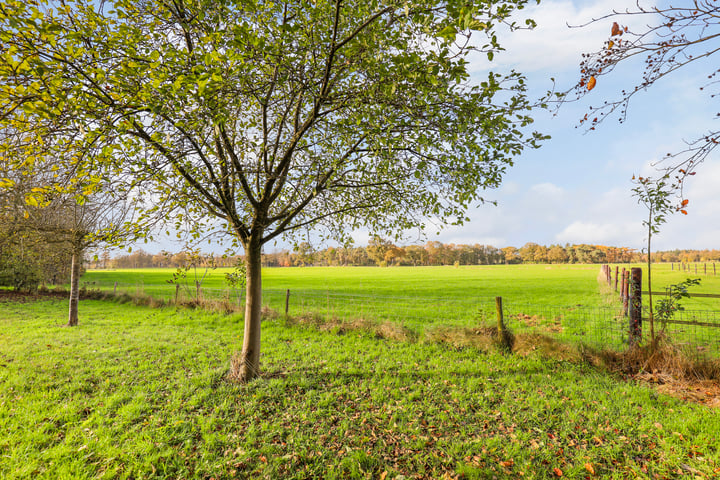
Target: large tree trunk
{"points": [[74, 288], [247, 366]]}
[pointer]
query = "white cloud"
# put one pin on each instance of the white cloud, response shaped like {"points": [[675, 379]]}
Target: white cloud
{"points": [[547, 190], [610, 233], [553, 45], [509, 188]]}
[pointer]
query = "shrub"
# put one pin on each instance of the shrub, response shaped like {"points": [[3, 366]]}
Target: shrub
{"points": [[22, 275]]}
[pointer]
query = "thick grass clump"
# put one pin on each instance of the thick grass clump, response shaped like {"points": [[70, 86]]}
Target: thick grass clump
{"points": [[134, 392]]}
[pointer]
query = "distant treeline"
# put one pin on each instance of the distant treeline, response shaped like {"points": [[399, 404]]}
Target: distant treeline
{"points": [[384, 253]]}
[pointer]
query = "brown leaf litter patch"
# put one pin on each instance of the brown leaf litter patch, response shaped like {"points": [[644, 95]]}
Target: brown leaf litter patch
{"points": [[705, 392]]}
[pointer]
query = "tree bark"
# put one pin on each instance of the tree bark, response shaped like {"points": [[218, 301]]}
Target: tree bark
{"points": [[247, 366], [74, 289]]}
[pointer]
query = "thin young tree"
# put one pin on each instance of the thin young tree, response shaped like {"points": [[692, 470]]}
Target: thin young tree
{"points": [[95, 220], [260, 120], [655, 195]]}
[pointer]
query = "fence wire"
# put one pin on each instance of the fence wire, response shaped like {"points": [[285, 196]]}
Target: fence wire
{"points": [[698, 332]]}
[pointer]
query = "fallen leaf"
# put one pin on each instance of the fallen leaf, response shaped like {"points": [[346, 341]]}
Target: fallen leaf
{"points": [[590, 468], [557, 472]]}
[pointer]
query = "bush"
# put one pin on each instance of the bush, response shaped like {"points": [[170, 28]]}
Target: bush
{"points": [[20, 274]]}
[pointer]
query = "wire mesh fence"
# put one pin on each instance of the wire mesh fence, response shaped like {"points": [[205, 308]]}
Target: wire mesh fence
{"points": [[602, 327], [697, 332]]}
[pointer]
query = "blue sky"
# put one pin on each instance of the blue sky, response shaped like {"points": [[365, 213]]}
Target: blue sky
{"points": [[577, 187]]}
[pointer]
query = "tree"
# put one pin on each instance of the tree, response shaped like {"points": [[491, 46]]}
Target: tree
{"points": [[76, 225], [527, 252], [674, 37], [416, 255], [96, 221], [557, 254], [654, 194], [51, 203], [377, 248], [260, 120], [305, 254], [394, 254], [512, 255], [541, 254]]}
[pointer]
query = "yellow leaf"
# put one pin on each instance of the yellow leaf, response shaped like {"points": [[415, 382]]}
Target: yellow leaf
{"points": [[591, 83], [590, 468]]}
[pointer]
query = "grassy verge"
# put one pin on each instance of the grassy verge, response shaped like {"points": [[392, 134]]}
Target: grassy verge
{"points": [[135, 392]]}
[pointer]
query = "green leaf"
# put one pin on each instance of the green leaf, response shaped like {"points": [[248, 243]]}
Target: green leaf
{"points": [[448, 33]]}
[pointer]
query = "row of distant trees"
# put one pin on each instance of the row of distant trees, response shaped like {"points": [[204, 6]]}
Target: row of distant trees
{"points": [[385, 253]]}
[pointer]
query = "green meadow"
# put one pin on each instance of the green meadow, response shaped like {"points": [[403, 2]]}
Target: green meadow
{"points": [[568, 300], [136, 392], [556, 285]]}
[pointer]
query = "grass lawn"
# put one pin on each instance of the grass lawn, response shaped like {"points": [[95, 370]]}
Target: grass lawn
{"points": [[135, 392]]}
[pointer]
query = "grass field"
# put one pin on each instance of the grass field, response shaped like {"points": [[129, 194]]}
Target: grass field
{"points": [[567, 300], [557, 285], [135, 392]]}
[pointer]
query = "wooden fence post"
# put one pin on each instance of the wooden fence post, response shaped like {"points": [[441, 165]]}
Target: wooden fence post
{"points": [[115, 289], [635, 335], [705, 267], [177, 292], [696, 269], [287, 302], [500, 319], [672, 266], [626, 291], [617, 272], [503, 334]]}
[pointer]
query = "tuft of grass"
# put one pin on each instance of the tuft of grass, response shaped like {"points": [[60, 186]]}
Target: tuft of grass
{"points": [[548, 347], [482, 338], [665, 358]]}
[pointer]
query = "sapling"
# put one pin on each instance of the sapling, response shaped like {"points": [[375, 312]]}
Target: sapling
{"points": [[655, 195]]}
